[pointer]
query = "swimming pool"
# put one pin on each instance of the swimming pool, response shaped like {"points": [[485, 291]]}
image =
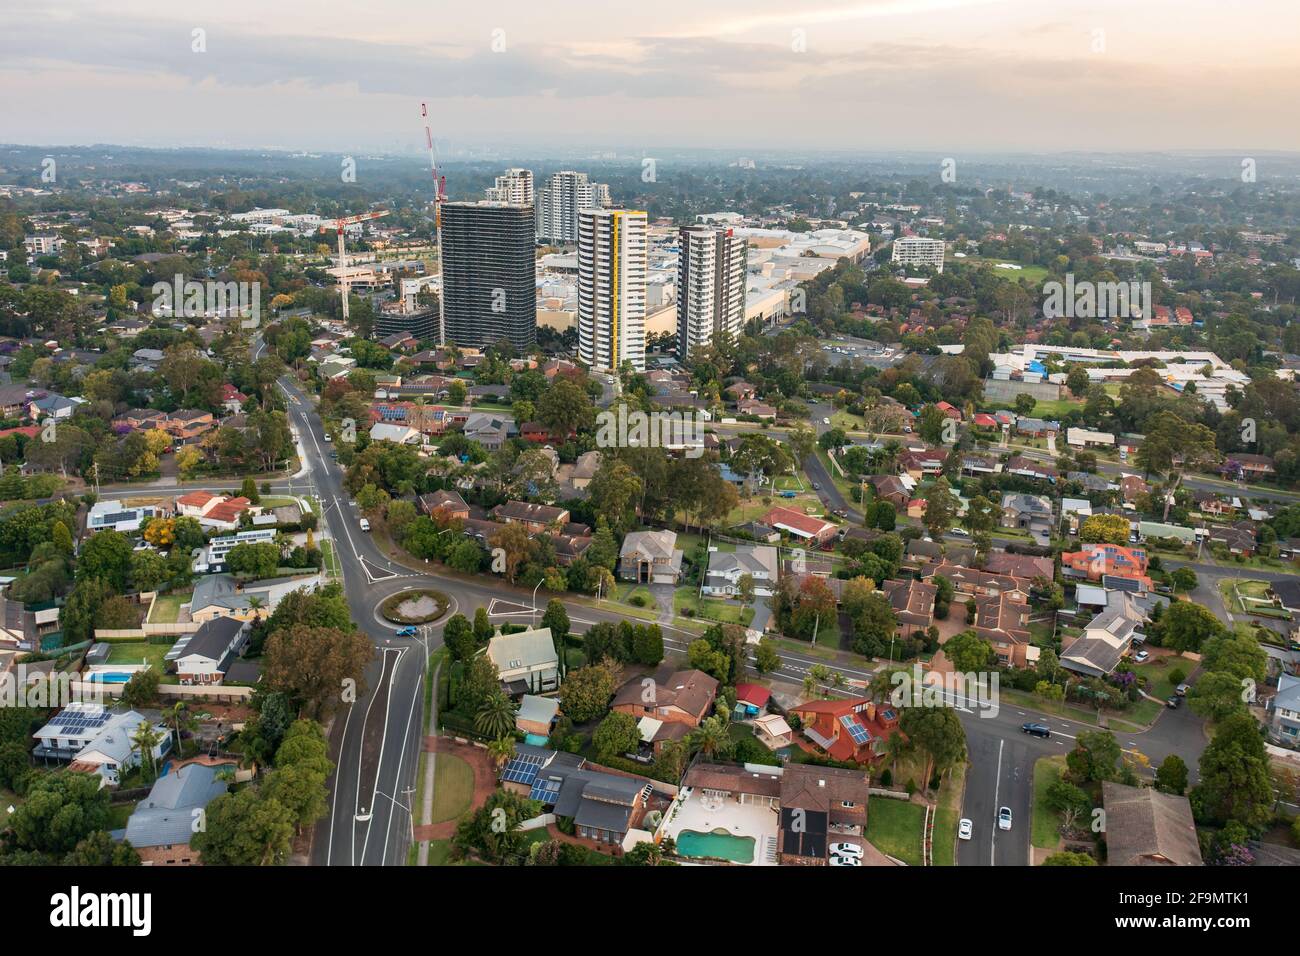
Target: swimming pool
{"points": [[718, 845], [535, 740], [107, 677]]}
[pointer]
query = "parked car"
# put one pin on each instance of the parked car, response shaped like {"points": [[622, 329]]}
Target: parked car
{"points": [[1182, 690], [408, 631], [1141, 656], [846, 849], [826, 421], [1004, 818], [965, 829], [1037, 730], [959, 532], [365, 524], [1173, 702], [844, 861], [327, 437]]}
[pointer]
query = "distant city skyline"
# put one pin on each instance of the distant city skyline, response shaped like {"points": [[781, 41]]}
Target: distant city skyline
{"points": [[511, 77]]}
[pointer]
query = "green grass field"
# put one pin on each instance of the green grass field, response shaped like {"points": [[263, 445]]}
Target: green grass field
{"points": [[167, 607], [946, 816], [712, 609], [896, 827], [138, 653], [1045, 832], [453, 787]]}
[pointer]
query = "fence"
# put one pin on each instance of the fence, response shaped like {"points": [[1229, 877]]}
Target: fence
{"points": [[222, 693]]}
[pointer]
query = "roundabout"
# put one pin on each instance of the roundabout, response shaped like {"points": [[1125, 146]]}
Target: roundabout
{"points": [[414, 606]]}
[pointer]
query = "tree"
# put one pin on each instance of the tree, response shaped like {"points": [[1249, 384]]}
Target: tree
{"points": [[745, 589], [142, 689], [1186, 626], [483, 629], [317, 666], [1096, 757], [100, 849], [1104, 529], [1171, 775], [616, 735], [1218, 694], [107, 555], [149, 569], [969, 653], [60, 811], [1234, 782], [245, 828], [940, 508], [144, 740], [938, 733], [766, 657], [495, 716], [458, 635], [492, 831], [712, 737], [587, 691], [1184, 579], [1069, 858], [1239, 655]]}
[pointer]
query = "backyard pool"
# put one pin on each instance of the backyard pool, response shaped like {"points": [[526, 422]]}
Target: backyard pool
{"points": [[718, 845], [535, 740]]}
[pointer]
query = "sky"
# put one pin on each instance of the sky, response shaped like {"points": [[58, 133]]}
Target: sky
{"points": [[631, 76]]}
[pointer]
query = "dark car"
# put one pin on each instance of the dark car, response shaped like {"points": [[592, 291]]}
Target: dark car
{"points": [[1173, 702], [816, 487], [1038, 730]]}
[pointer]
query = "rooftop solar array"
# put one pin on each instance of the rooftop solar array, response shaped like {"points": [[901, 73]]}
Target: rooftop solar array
{"points": [[858, 732], [522, 769], [77, 721], [546, 789]]}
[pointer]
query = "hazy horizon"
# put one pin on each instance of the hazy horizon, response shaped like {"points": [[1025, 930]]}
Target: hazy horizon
{"points": [[1001, 77]]}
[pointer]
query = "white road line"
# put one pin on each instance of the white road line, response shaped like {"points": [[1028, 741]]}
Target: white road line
{"points": [[397, 779], [383, 743], [997, 787]]}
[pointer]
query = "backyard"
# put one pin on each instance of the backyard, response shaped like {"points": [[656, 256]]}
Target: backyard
{"points": [[167, 607], [139, 653], [895, 827], [712, 609]]}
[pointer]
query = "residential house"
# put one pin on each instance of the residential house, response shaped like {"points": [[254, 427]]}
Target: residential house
{"points": [[536, 518], [913, 604], [1253, 467], [650, 556], [1284, 711], [1238, 538], [921, 553], [852, 730], [680, 697], [917, 463], [162, 824], [214, 511], [113, 515], [447, 503], [189, 425], [1147, 827], [1103, 560], [890, 488], [808, 528], [205, 657], [1105, 640], [819, 806], [1026, 512], [1025, 467], [1003, 621], [527, 662], [397, 434], [1024, 566], [726, 568], [1132, 488], [973, 582], [603, 807], [232, 399], [220, 595], [90, 738], [490, 431]]}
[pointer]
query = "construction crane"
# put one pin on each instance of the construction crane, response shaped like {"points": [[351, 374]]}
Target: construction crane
{"points": [[439, 197], [341, 225]]}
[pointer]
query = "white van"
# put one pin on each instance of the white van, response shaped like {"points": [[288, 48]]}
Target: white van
{"points": [[365, 524]]}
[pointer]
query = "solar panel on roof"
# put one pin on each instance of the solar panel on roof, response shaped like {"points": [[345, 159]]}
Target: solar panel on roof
{"points": [[522, 769], [546, 790], [855, 729]]}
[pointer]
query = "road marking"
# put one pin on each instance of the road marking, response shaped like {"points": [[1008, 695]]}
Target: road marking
{"points": [[997, 788], [383, 744]]}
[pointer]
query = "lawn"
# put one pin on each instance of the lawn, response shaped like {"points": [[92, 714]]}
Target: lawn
{"points": [[137, 653], [895, 827], [1156, 671], [453, 787], [1045, 828], [167, 607], [946, 816], [711, 609], [119, 814], [1055, 409]]}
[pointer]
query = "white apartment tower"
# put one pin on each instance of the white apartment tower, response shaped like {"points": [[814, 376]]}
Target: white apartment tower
{"points": [[515, 188], [565, 195], [918, 251], [612, 247], [710, 288]]}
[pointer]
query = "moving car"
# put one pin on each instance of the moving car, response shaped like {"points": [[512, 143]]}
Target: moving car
{"points": [[844, 861], [846, 849], [408, 631], [965, 828], [365, 524], [1038, 730], [959, 532], [816, 487], [826, 421], [1004, 818], [327, 437]]}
